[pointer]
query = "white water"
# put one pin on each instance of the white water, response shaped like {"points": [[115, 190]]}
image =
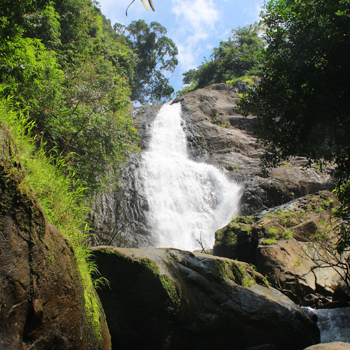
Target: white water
{"points": [[188, 201], [333, 323]]}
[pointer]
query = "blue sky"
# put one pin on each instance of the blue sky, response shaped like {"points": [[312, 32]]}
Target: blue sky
{"points": [[196, 26]]}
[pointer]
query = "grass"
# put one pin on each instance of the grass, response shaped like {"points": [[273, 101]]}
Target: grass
{"points": [[60, 197], [269, 241]]}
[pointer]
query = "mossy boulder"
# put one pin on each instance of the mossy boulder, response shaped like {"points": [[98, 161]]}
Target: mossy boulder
{"points": [[173, 299], [42, 304], [283, 243]]}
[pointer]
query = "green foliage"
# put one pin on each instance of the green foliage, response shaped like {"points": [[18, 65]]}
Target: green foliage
{"points": [[303, 97], [237, 57], [60, 197], [277, 234], [287, 234], [186, 90], [245, 79], [156, 55], [272, 231], [269, 241], [68, 66]]}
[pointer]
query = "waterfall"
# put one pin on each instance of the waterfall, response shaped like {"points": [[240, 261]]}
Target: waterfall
{"points": [[188, 201]]}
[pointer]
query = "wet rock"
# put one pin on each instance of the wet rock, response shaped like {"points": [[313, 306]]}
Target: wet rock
{"points": [[42, 304], [282, 244], [118, 216], [219, 134], [172, 299], [334, 324], [330, 346]]}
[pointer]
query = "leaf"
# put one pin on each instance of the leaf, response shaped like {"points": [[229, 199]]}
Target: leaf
{"points": [[144, 3], [151, 4]]}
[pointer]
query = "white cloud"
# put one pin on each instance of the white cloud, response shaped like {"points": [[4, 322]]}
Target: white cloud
{"points": [[186, 57], [196, 21], [197, 14]]}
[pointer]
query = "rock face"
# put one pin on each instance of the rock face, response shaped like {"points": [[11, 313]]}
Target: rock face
{"points": [[218, 134], [119, 216], [41, 299], [172, 299], [282, 244]]}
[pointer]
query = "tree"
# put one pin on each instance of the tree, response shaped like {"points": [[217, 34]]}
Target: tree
{"points": [[63, 62], [303, 101], [234, 58], [156, 56]]}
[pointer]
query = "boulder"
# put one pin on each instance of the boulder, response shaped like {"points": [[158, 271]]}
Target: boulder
{"points": [[286, 245], [172, 299], [330, 346], [42, 304]]}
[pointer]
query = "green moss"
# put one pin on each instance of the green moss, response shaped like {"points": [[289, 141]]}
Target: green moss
{"points": [[222, 269], [150, 265], [245, 278], [238, 272], [231, 239], [110, 251], [174, 295], [249, 220], [93, 311], [247, 229]]}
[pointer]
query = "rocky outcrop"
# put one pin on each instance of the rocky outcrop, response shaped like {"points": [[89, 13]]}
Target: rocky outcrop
{"points": [[172, 299], [42, 304], [119, 215], [218, 133], [287, 244]]}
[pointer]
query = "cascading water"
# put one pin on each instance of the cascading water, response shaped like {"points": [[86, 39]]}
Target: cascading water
{"points": [[188, 201]]}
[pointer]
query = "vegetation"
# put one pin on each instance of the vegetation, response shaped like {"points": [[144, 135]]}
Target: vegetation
{"points": [[239, 272], [64, 63], [156, 55], [65, 78], [234, 59], [59, 197], [302, 100]]}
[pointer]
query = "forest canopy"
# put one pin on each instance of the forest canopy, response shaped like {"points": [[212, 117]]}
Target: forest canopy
{"points": [[63, 63]]}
